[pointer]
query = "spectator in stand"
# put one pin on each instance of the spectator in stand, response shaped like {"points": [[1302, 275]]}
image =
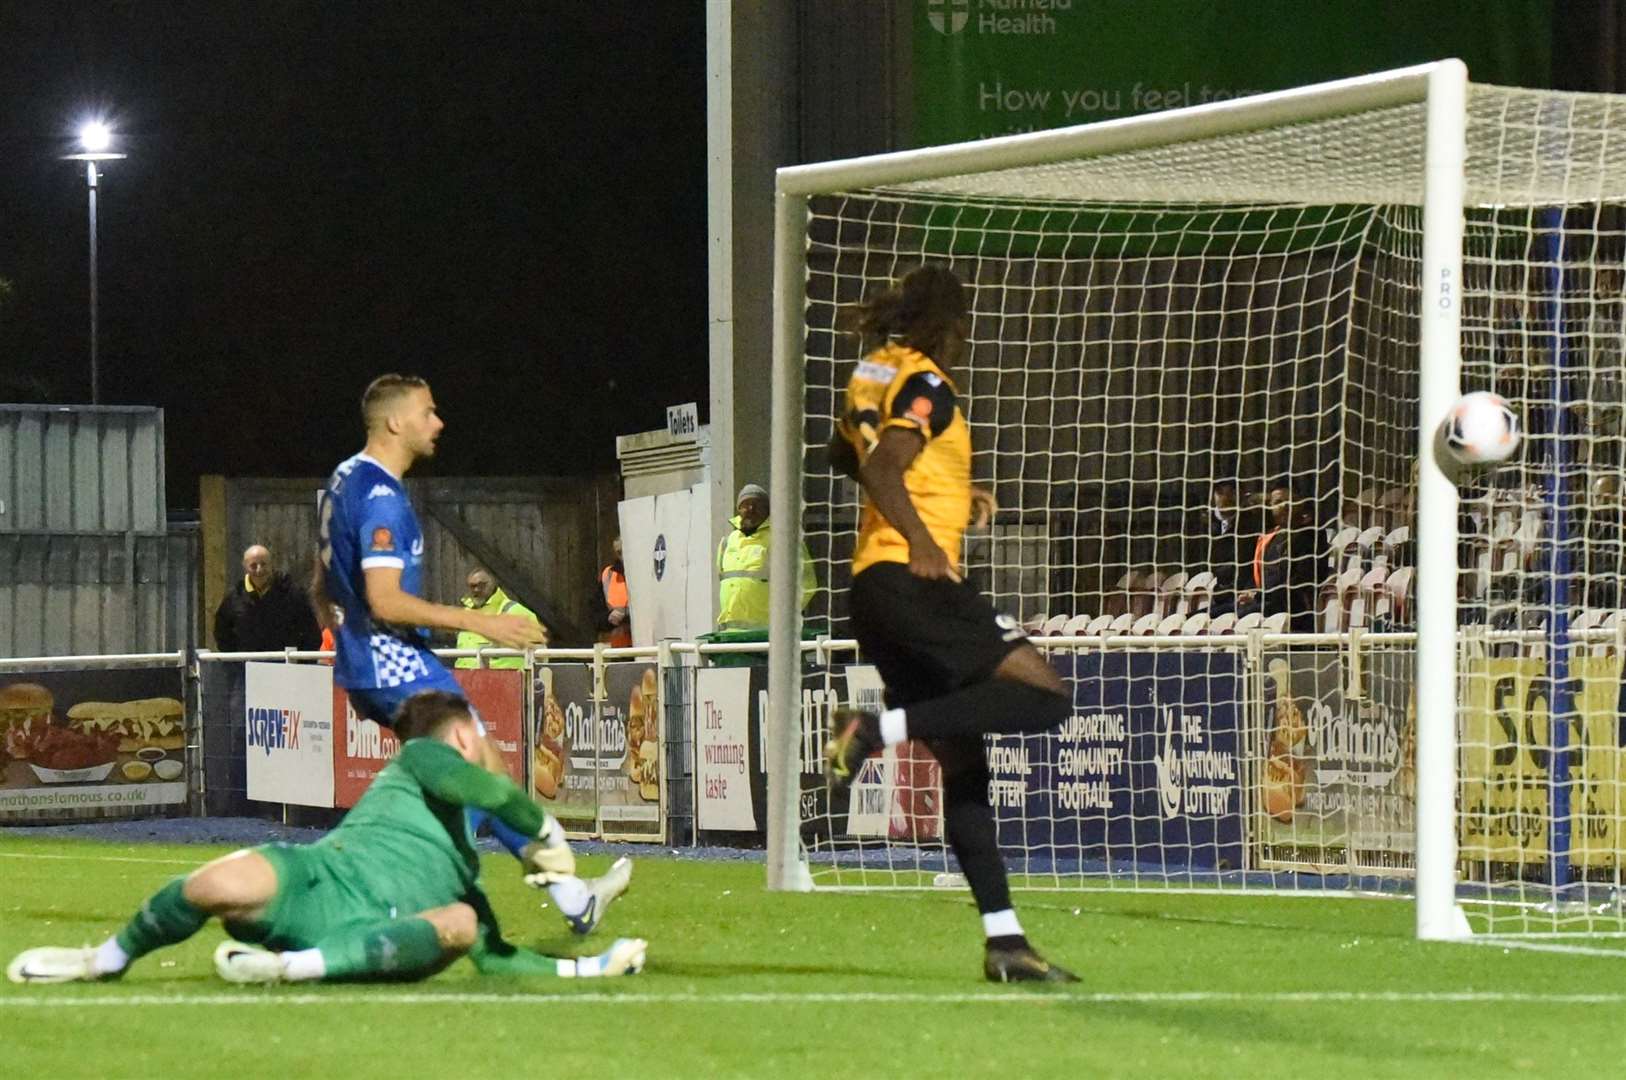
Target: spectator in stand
{"points": [[485, 595], [615, 629], [1286, 567], [265, 611], [742, 565], [1233, 549]]}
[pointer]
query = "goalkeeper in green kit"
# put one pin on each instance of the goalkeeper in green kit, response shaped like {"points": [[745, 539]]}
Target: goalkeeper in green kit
{"points": [[392, 893]]}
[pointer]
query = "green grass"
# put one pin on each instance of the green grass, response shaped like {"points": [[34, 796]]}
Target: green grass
{"points": [[746, 983]]}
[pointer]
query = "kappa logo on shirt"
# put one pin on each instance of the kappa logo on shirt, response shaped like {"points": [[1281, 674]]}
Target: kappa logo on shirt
{"points": [[382, 539], [417, 547], [381, 491], [1012, 630]]}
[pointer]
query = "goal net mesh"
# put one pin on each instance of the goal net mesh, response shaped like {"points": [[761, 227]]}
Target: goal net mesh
{"points": [[1192, 384]]}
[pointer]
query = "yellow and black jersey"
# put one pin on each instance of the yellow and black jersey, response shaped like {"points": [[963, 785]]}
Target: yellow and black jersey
{"points": [[896, 386]]}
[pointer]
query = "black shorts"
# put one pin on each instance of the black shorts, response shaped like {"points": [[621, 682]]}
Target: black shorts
{"points": [[927, 637]]}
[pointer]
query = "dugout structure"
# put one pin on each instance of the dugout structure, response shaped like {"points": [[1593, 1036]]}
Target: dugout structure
{"points": [[1287, 289]]}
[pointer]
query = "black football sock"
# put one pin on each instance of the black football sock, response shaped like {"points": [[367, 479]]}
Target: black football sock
{"points": [[969, 822]]}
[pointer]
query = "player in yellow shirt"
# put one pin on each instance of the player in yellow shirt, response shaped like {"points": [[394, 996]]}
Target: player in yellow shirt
{"points": [[954, 670]]}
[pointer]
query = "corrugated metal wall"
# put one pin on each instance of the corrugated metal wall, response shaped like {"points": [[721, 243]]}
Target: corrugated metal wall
{"points": [[555, 531], [87, 562]]}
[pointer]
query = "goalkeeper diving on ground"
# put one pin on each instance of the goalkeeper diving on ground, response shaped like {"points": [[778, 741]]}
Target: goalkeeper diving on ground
{"points": [[392, 893]]}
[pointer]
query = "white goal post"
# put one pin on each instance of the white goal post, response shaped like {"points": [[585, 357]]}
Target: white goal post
{"points": [[1287, 291]]}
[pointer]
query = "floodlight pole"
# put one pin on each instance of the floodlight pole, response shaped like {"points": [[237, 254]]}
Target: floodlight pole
{"points": [[91, 176], [96, 140]]}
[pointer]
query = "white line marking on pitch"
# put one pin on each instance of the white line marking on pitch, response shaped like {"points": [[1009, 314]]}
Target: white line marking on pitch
{"points": [[97, 858], [1543, 946], [1310, 997]]}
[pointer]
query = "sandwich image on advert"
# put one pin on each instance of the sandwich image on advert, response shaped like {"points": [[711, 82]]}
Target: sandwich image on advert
{"points": [[548, 758], [643, 745], [86, 744]]}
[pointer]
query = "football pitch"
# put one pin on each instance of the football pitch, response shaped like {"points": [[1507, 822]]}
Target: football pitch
{"points": [[741, 982]]}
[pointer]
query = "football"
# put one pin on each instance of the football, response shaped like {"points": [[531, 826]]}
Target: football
{"points": [[1480, 432]]}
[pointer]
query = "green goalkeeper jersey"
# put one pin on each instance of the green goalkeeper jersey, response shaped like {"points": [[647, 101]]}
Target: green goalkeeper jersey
{"points": [[411, 821]]}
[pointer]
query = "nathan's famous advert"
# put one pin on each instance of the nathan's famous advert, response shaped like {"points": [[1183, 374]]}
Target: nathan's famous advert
{"points": [[44, 743]]}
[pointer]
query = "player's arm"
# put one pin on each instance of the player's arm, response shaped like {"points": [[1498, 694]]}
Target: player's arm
{"points": [[882, 477], [392, 604], [843, 457], [442, 772]]}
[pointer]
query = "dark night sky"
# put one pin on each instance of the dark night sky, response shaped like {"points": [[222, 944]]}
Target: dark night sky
{"points": [[506, 197]]}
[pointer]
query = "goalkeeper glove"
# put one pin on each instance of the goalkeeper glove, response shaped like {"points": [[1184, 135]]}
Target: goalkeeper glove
{"points": [[548, 859]]}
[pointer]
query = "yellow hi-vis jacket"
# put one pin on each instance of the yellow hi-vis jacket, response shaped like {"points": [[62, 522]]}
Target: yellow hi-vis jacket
{"points": [[497, 604], [742, 575]]}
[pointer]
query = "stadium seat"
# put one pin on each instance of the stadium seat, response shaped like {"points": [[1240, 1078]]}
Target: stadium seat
{"points": [[1250, 621], [1332, 614], [1371, 539], [1171, 598], [1222, 624], [1275, 624], [1338, 548], [1395, 540], [1052, 626], [1530, 529], [1145, 626], [1372, 583], [1195, 624], [1349, 581], [1199, 591], [1075, 626], [1171, 624], [1034, 626], [1098, 625], [1399, 586], [1120, 624], [1355, 612]]}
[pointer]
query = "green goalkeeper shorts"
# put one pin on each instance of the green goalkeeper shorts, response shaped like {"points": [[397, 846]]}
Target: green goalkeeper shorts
{"points": [[320, 889]]}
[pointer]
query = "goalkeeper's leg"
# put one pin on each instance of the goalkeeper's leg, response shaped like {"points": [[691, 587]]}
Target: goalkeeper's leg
{"points": [[411, 948], [237, 886]]}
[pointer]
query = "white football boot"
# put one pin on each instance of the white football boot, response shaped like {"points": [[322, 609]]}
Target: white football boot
{"points": [[55, 964], [605, 889], [239, 963], [625, 956]]}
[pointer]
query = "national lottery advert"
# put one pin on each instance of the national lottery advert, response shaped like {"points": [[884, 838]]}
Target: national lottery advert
{"points": [[1145, 769]]}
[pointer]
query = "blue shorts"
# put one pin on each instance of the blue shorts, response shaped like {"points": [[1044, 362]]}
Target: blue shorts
{"points": [[380, 703]]}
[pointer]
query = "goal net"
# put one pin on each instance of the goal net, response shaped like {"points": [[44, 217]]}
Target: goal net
{"points": [[1203, 347]]}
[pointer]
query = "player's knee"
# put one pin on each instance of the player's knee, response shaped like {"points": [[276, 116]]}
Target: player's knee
{"points": [[456, 927], [231, 886]]}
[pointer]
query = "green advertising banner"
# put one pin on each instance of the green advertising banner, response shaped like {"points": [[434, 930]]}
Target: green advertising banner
{"points": [[984, 68]]}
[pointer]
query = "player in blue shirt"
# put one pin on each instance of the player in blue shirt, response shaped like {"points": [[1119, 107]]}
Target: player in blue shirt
{"points": [[372, 569]]}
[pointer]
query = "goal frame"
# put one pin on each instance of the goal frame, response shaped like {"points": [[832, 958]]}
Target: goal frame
{"points": [[1442, 86]]}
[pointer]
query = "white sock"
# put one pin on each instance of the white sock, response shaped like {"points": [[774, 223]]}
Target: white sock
{"points": [[566, 968], [894, 729], [304, 965], [570, 896], [110, 958], [1001, 924]]}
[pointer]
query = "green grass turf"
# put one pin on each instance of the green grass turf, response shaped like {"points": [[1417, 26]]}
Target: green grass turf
{"points": [[746, 983]]}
